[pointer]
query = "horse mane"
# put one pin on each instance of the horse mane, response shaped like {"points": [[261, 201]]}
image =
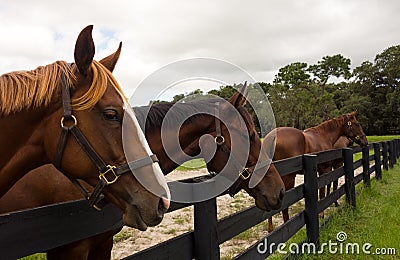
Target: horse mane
{"points": [[23, 90], [329, 124], [152, 117]]}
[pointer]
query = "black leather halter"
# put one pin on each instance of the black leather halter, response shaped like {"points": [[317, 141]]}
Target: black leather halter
{"points": [[349, 125], [108, 174], [245, 172]]}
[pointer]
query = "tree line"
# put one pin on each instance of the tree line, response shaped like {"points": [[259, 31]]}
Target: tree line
{"points": [[303, 95]]}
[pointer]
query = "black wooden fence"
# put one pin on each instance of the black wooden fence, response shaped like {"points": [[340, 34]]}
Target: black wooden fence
{"points": [[36, 230]]}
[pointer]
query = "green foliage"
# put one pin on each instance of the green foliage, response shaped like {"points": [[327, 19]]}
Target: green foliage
{"points": [[303, 95], [375, 92]]}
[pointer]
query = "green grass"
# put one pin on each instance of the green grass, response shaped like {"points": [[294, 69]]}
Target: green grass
{"points": [[374, 138], [39, 256], [124, 235], [192, 165], [375, 219]]}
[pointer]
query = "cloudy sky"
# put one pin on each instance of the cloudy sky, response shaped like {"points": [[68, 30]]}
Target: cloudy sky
{"points": [[258, 36]]}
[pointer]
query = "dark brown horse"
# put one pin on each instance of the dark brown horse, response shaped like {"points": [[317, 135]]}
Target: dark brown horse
{"points": [[293, 142], [268, 193], [90, 104]]}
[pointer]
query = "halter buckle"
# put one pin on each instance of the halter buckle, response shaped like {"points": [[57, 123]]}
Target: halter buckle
{"points": [[219, 140], [349, 123], [103, 177], [357, 137], [72, 117], [96, 207], [245, 174]]}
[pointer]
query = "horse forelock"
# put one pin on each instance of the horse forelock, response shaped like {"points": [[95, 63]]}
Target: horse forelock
{"points": [[102, 77], [24, 90]]}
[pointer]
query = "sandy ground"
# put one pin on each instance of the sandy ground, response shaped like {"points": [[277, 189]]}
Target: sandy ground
{"points": [[129, 240]]}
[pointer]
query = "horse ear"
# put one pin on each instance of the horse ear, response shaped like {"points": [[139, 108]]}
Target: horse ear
{"points": [[239, 98], [110, 61], [84, 50]]}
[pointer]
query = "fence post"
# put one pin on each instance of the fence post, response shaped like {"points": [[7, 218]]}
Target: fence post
{"points": [[205, 230], [349, 177], [385, 155], [377, 158], [394, 151], [390, 156], [398, 148], [365, 163], [311, 197]]}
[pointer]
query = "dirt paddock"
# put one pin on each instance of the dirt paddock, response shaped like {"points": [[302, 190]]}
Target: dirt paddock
{"points": [[130, 240]]}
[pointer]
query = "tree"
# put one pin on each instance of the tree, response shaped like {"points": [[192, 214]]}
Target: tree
{"points": [[337, 66], [375, 89]]}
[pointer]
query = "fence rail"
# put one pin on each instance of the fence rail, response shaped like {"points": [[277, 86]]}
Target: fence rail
{"points": [[36, 230]]}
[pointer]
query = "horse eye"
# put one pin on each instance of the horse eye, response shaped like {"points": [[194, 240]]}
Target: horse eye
{"points": [[111, 115]]}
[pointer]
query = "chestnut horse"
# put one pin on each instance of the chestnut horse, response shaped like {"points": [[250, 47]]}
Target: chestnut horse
{"points": [[293, 142], [90, 104], [342, 142], [268, 193]]}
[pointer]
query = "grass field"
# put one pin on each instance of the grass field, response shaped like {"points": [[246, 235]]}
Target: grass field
{"points": [[374, 224], [375, 221], [374, 138]]}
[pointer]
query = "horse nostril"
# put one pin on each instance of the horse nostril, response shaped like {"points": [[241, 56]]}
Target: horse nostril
{"points": [[281, 194], [163, 205]]}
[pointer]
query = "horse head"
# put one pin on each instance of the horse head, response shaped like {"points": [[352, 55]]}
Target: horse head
{"points": [[238, 153], [354, 130], [95, 114]]}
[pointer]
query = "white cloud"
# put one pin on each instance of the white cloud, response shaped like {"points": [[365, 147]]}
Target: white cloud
{"points": [[259, 36]]}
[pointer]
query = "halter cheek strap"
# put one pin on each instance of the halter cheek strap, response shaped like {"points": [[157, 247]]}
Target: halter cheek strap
{"points": [[107, 174], [219, 139]]}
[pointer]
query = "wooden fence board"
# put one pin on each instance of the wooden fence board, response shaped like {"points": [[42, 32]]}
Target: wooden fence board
{"points": [[290, 165], [75, 220], [329, 155], [180, 247], [331, 198], [280, 235], [330, 177], [236, 223]]}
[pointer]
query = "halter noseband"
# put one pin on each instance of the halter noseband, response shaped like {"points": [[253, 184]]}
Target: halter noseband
{"points": [[108, 174]]}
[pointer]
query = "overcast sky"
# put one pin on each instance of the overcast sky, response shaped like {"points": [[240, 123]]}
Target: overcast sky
{"points": [[258, 36]]}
